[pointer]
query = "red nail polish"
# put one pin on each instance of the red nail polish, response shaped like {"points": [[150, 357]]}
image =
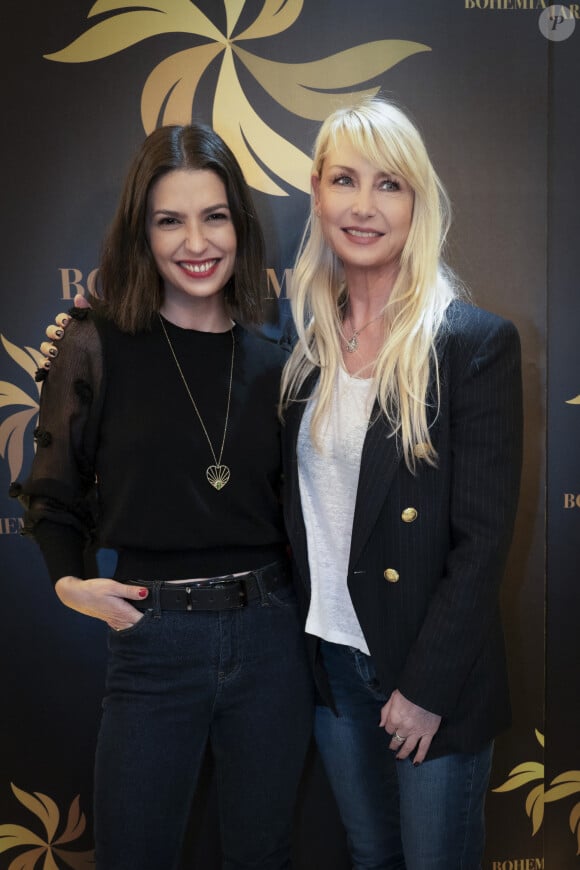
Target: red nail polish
{"points": [[143, 593]]}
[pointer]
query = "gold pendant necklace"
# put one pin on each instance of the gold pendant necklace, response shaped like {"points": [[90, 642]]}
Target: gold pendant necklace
{"points": [[217, 474], [352, 342]]}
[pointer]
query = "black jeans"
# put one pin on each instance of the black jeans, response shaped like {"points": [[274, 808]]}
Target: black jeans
{"points": [[238, 679]]}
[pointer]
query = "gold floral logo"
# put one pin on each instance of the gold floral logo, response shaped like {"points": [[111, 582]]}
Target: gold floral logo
{"points": [[562, 786], [47, 845], [310, 90], [13, 428]]}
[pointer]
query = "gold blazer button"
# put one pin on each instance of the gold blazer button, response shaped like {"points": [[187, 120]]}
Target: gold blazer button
{"points": [[409, 515], [391, 575], [421, 450]]}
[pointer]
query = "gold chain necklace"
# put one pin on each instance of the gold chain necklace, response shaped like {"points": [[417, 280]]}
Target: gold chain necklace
{"points": [[217, 474], [352, 342]]}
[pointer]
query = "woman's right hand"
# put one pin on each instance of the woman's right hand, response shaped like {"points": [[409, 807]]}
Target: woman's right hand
{"points": [[103, 599], [56, 331]]}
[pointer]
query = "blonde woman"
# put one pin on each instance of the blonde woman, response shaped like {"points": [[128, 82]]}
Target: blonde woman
{"points": [[402, 409]]}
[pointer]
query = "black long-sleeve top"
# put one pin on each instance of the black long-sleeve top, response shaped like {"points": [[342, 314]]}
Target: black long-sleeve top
{"points": [[121, 454]]}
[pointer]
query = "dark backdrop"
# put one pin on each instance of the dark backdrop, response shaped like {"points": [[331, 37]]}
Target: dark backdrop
{"points": [[497, 104]]}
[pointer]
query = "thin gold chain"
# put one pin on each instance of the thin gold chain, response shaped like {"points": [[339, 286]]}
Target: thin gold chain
{"points": [[217, 460], [352, 342]]}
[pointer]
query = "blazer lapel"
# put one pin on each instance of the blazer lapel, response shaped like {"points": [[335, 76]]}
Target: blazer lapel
{"points": [[379, 462]]}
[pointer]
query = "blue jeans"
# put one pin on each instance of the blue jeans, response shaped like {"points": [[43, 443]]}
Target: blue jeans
{"points": [[237, 679], [397, 816]]}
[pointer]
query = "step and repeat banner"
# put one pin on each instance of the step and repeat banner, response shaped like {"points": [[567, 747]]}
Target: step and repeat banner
{"points": [[492, 84]]}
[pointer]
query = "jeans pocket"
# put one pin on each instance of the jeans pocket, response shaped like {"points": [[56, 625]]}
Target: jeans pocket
{"points": [[366, 671], [136, 627]]}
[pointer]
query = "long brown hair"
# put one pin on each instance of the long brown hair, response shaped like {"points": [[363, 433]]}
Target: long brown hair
{"points": [[129, 285]]}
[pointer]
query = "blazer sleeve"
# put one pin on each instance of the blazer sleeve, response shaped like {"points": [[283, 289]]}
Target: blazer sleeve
{"points": [[485, 449]]}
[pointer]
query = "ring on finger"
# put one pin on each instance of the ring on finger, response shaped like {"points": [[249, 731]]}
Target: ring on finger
{"points": [[398, 738]]}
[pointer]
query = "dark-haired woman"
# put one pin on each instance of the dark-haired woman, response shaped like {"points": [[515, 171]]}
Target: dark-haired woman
{"points": [[161, 410]]}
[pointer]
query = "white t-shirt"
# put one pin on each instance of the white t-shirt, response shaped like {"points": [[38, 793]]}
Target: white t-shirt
{"points": [[328, 485]]}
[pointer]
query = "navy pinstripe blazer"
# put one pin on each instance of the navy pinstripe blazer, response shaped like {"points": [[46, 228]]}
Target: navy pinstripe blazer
{"points": [[428, 550]]}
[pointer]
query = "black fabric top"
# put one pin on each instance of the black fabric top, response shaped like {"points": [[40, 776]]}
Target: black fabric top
{"points": [[114, 410]]}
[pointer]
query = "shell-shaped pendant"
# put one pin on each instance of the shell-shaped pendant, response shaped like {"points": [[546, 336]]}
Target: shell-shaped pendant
{"points": [[218, 476]]}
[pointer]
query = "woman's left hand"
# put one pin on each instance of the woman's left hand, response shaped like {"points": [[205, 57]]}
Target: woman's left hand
{"points": [[417, 726]]}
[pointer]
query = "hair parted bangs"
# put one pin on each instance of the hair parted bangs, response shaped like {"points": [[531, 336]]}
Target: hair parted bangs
{"points": [[129, 284], [383, 135]]}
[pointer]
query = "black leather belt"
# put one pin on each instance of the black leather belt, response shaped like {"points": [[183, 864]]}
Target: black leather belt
{"points": [[216, 593]]}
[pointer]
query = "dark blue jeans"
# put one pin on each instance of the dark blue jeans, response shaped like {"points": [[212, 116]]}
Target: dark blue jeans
{"points": [[397, 816], [238, 679]]}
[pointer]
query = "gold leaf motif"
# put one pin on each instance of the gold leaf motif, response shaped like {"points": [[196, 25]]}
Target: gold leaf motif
{"points": [[535, 807], [76, 824], [557, 792], [27, 860], [571, 776], [575, 824], [128, 28], [76, 860], [42, 806], [574, 401], [516, 781], [181, 7], [561, 786], [177, 76], [10, 394], [49, 862], [29, 359], [253, 141], [12, 435], [299, 86], [233, 12], [275, 17], [45, 809], [16, 835], [13, 428], [532, 767], [182, 16]]}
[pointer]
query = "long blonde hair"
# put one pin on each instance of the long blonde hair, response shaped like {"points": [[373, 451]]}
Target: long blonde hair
{"points": [[382, 134]]}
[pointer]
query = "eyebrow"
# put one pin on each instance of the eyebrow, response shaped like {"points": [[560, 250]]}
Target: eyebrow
{"points": [[339, 167], [172, 213]]}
